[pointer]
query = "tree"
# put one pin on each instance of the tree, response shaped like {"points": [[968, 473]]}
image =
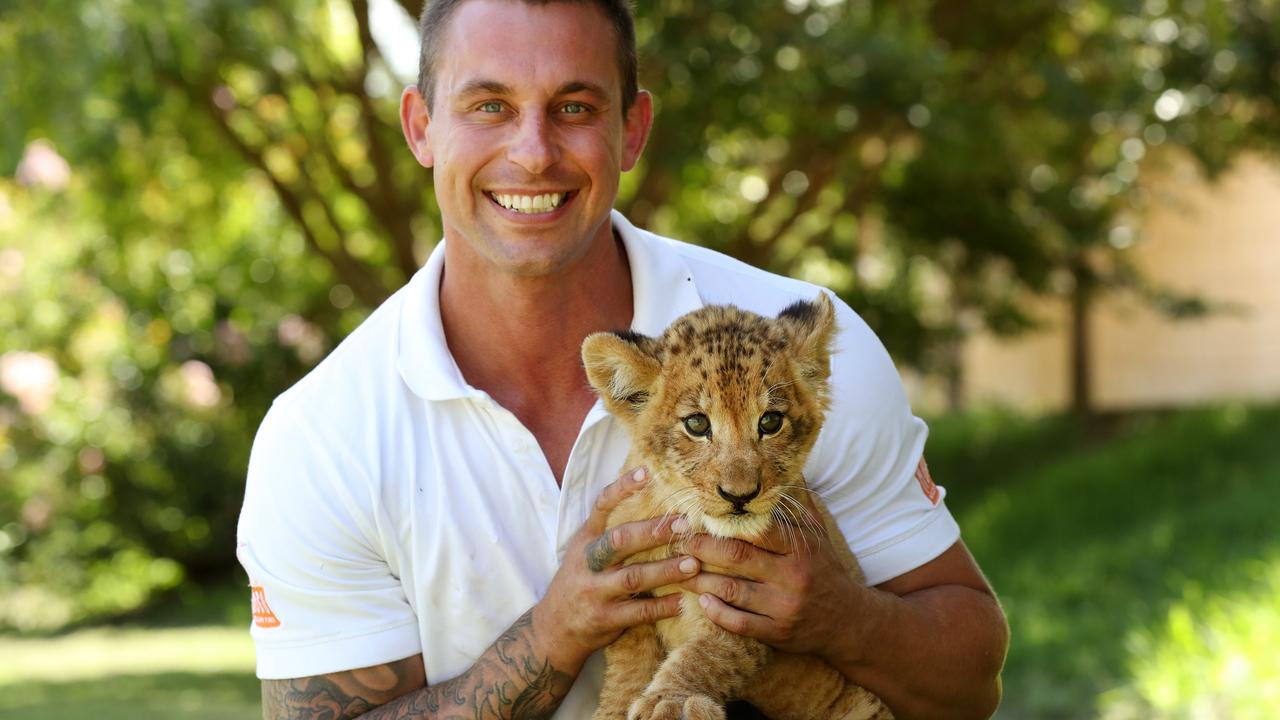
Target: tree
{"points": [[239, 199]]}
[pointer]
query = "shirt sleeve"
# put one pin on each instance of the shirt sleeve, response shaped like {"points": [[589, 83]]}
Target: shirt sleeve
{"points": [[868, 465], [324, 597]]}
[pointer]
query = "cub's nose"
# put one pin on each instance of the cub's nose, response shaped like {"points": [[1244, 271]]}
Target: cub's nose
{"points": [[738, 500]]}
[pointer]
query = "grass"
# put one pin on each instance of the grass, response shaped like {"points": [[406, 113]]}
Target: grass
{"points": [[1123, 561], [201, 673], [1138, 562]]}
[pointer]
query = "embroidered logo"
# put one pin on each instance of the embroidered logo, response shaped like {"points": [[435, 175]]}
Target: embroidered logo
{"points": [[926, 483], [262, 615]]}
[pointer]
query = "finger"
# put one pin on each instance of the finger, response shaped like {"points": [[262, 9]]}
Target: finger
{"points": [[738, 592], [646, 576], [741, 558], [613, 495], [646, 611], [619, 543], [736, 621]]}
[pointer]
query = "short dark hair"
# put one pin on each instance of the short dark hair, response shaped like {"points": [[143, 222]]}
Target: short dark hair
{"points": [[435, 19]]}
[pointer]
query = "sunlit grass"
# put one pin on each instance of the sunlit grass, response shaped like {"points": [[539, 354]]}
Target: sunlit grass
{"points": [[202, 673], [1106, 550], [1214, 656]]}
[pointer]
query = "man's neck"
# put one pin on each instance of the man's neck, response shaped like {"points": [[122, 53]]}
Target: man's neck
{"points": [[519, 338]]}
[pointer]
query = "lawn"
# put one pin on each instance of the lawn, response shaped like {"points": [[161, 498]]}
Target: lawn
{"points": [[1139, 565], [201, 673]]}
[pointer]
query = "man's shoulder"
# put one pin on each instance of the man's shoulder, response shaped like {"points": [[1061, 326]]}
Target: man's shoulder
{"points": [[859, 360], [722, 279]]}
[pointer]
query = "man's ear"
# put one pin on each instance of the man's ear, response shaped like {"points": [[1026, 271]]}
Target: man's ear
{"points": [[622, 369], [811, 325], [414, 120], [635, 129]]}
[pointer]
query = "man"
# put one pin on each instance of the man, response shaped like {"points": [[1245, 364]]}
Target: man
{"points": [[436, 482]]}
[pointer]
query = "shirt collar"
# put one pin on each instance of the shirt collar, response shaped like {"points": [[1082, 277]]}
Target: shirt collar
{"points": [[662, 290]]}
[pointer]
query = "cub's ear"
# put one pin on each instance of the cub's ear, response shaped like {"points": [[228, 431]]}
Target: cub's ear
{"points": [[811, 325], [622, 368]]}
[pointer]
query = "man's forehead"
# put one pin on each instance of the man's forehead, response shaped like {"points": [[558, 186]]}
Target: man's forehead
{"points": [[511, 43]]}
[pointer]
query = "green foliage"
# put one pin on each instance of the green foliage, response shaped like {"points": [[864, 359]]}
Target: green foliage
{"points": [[239, 198], [1123, 565]]}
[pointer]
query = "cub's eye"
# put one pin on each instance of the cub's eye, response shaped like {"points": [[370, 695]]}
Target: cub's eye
{"points": [[698, 425], [770, 423]]}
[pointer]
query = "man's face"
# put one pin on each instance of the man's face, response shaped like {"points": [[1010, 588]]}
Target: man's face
{"points": [[527, 137]]}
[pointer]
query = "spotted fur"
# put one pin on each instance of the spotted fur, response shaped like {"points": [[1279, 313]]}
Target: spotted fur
{"points": [[733, 367]]}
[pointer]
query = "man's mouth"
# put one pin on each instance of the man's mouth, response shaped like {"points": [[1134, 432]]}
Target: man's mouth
{"points": [[529, 204]]}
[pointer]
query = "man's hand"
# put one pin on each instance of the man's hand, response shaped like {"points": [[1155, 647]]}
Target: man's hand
{"points": [[790, 591], [591, 599], [929, 643]]}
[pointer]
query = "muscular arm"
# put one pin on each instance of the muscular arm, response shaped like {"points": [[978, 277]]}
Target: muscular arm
{"points": [[933, 641], [512, 679], [930, 643]]}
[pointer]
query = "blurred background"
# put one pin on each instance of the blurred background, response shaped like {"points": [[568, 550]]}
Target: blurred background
{"points": [[1062, 218]]}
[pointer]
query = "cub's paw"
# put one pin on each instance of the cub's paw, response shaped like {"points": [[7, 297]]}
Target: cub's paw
{"points": [[670, 707]]}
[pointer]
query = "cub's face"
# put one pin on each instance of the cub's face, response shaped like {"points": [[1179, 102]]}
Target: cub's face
{"points": [[723, 409]]}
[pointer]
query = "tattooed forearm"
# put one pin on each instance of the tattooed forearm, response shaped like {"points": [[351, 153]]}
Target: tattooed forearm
{"points": [[341, 695], [508, 682]]}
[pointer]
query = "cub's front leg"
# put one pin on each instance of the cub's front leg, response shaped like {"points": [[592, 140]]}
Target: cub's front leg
{"points": [[629, 663], [706, 667]]}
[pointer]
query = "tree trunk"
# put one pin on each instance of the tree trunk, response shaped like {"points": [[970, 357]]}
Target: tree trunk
{"points": [[1081, 350]]}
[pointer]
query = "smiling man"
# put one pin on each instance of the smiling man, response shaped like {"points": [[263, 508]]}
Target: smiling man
{"points": [[423, 523]]}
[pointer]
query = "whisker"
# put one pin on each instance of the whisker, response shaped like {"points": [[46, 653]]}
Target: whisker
{"points": [[790, 531], [794, 522], [780, 520], [683, 506], [806, 519], [813, 523], [806, 488]]}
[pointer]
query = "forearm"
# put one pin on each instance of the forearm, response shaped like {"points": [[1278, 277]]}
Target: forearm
{"points": [[512, 680], [933, 653]]}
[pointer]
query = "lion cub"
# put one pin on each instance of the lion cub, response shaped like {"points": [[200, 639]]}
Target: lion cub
{"points": [[722, 409]]}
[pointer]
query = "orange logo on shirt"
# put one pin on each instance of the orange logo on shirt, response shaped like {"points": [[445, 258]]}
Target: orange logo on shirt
{"points": [[262, 615], [926, 483]]}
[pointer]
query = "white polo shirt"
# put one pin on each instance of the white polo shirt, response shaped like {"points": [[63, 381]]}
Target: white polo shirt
{"points": [[392, 509]]}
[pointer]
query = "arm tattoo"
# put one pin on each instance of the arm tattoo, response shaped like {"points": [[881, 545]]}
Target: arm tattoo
{"points": [[507, 682], [600, 553]]}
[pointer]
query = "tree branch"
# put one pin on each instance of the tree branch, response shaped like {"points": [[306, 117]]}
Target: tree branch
{"points": [[355, 274], [393, 214]]}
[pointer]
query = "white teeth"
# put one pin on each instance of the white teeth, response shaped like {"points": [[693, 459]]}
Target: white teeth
{"points": [[529, 204]]}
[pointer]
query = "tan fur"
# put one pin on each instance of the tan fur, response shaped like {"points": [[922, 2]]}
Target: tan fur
{"points": [[732, 366]]}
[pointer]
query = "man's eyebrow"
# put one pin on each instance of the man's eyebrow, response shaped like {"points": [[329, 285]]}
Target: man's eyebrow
{"points": [[485, 86], [482, 86], [582, 86]]}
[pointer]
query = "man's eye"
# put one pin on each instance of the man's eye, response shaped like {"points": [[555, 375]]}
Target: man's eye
{"points": [[490, 107], [574, 109]]}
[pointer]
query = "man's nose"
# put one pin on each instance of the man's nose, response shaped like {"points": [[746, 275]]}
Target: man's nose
{"points": [[534, 148]]}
